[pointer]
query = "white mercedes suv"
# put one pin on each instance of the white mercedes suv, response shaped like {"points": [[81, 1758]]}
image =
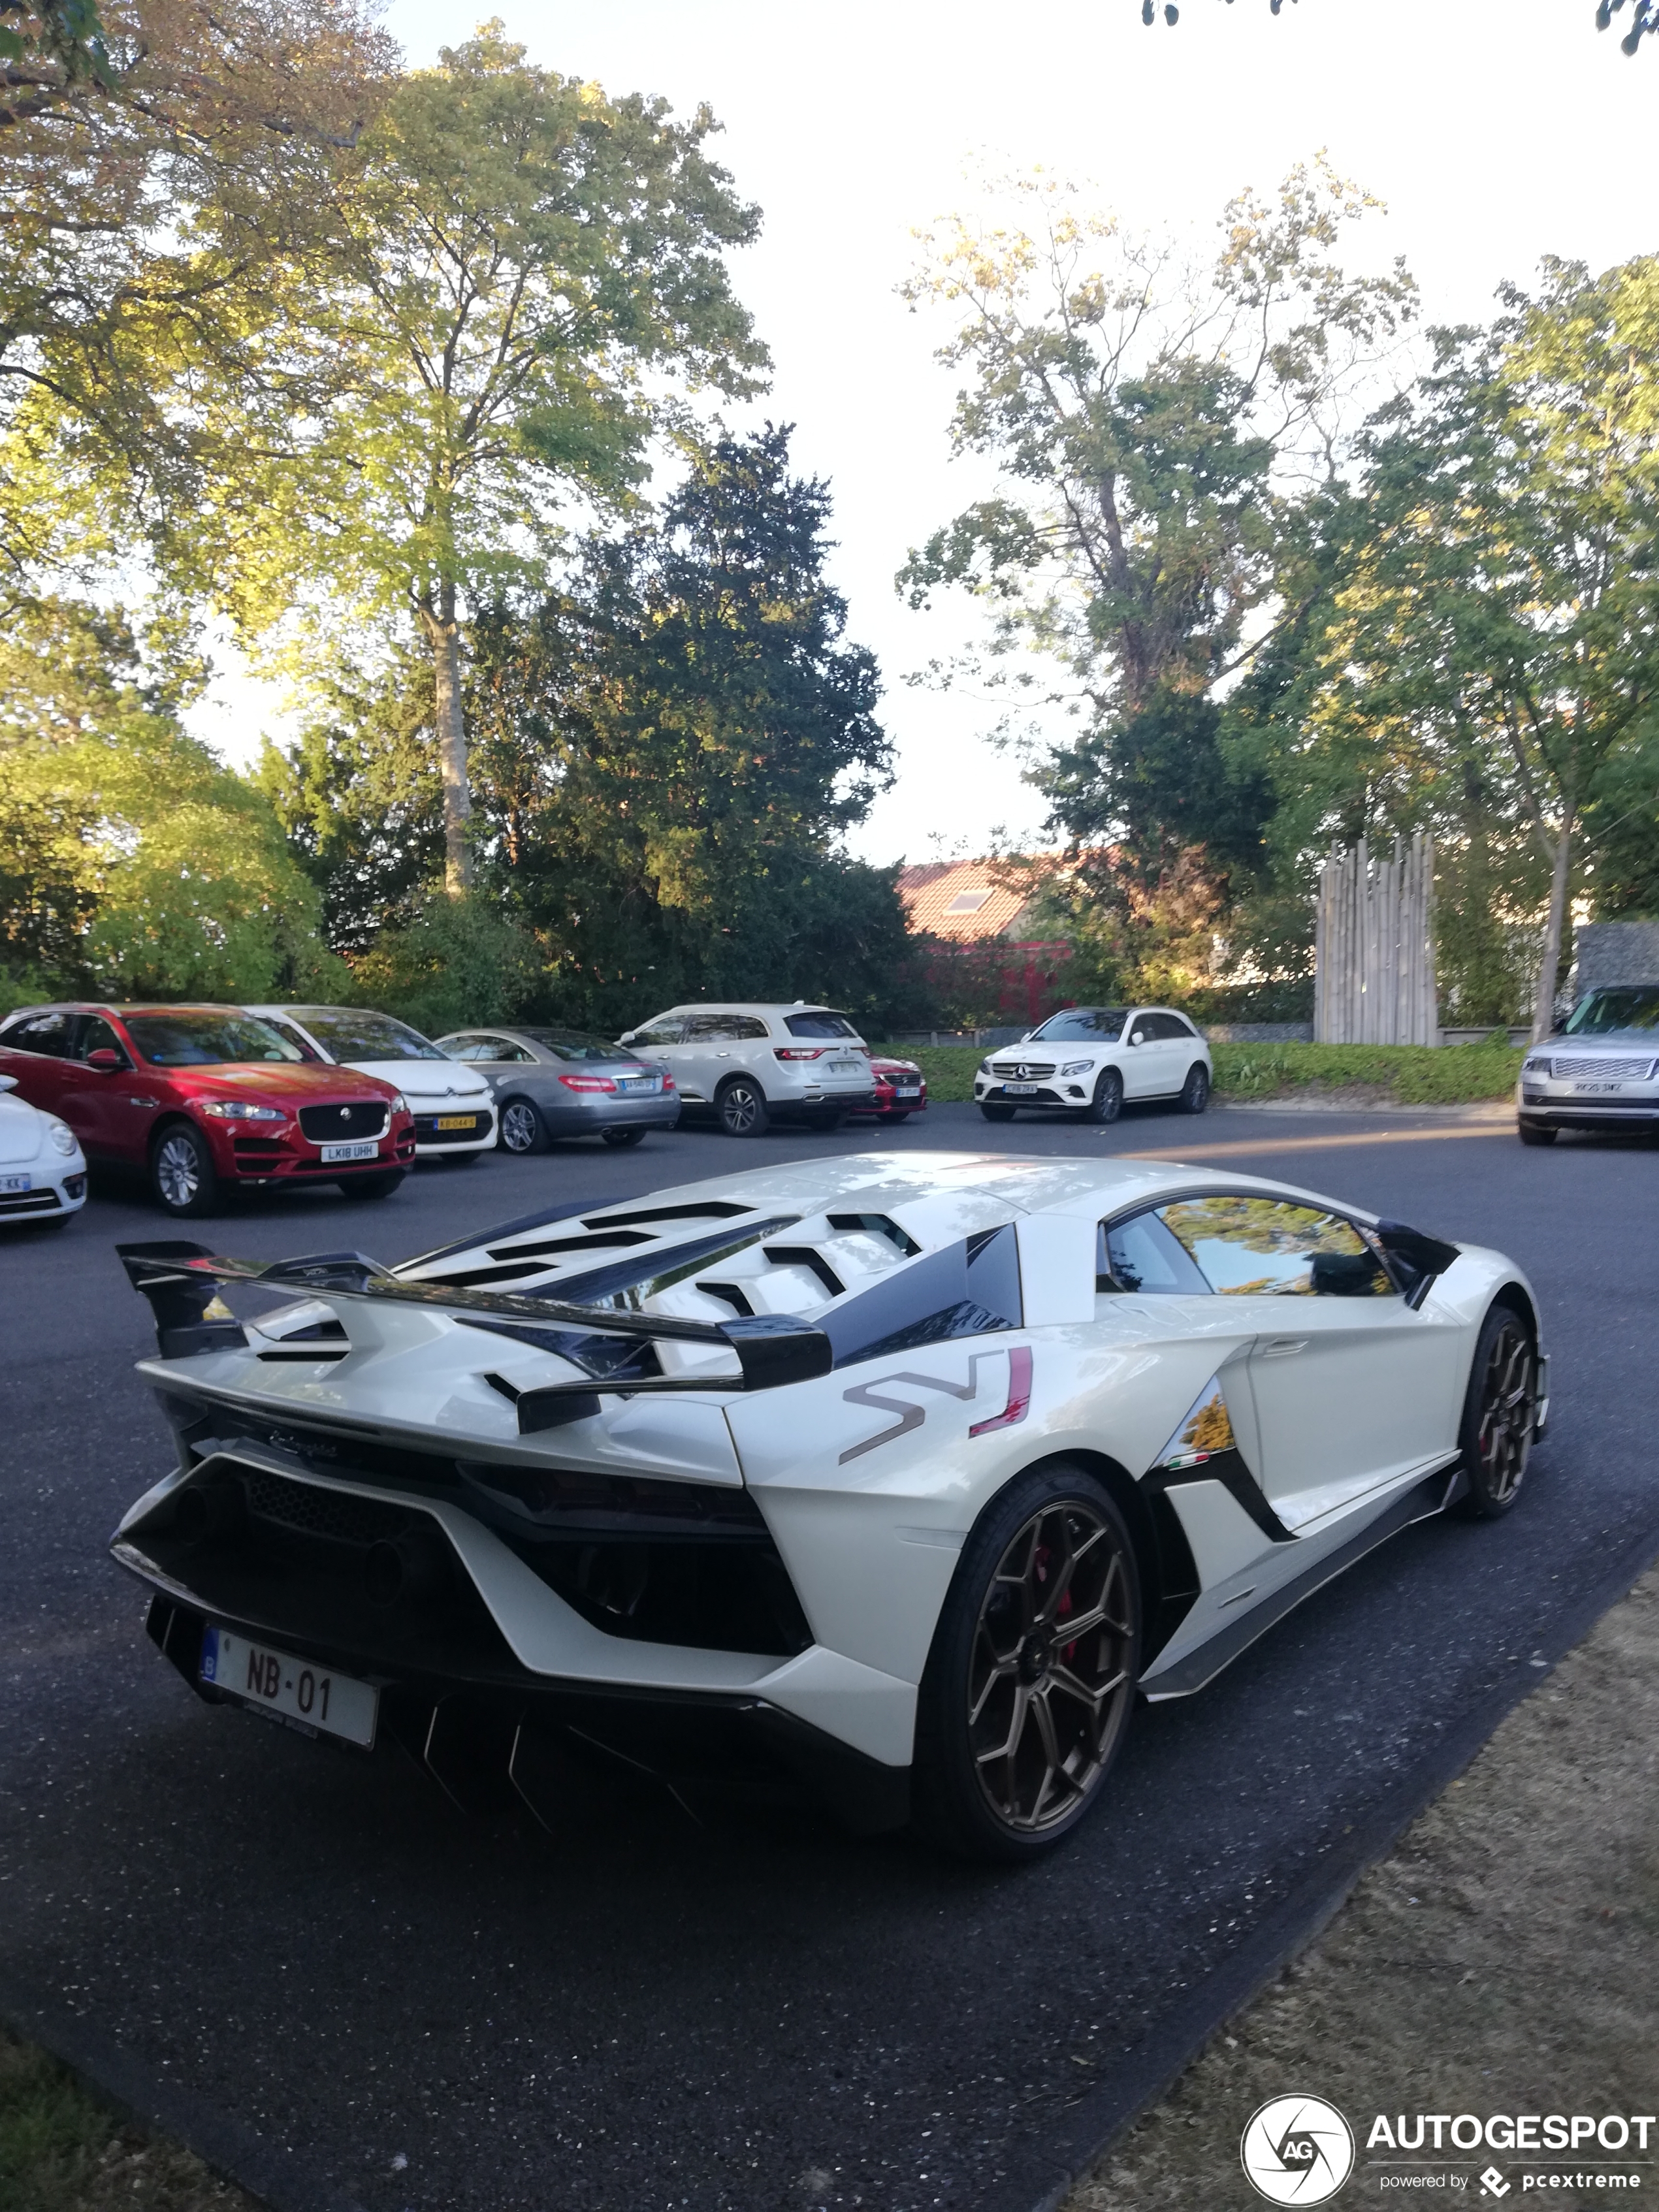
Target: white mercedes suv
{"points": [[749, 1064], [1088, 1060]]}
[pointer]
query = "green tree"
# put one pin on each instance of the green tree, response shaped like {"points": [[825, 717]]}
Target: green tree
{"points": [[1490, 650], [150, 185], [679, 817], [1151, 422], [131, 862], [518, 267]]}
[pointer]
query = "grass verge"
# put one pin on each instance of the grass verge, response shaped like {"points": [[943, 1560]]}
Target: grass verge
{"points": [[61, 2150], [1504, 1959], [1347, 1074]]}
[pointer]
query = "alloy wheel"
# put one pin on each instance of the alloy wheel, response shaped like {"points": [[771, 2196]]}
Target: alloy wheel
{"points": [[1195, 1091], [1108, 1102], [1048, 1680], [742, 1110], [521, 1127], [1509, 1413], [178, 1171]]}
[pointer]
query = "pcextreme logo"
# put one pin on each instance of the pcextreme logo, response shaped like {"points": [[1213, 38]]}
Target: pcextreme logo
{"points": [[1297, 2150]]}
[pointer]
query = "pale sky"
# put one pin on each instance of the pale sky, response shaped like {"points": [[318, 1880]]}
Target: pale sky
{"points": [[1495, 135]]}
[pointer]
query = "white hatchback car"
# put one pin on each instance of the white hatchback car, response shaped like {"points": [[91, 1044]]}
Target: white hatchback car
{"points": [[43, 1173], [454, 1110], [1088, 1060], [747, 1063]]}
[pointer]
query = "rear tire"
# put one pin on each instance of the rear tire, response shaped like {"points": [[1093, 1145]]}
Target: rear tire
{"points": [[1530, 1133], [1500, 1412], [182, 1179], [741, 1108], [999, 1113], [1195, 1093], [1108, 1102], [1019, 1722], [521, 1128], [375, 1186], [622, 1136]]}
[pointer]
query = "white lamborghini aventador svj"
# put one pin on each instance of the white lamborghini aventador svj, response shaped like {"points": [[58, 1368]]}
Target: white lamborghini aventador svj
{"points": [[890, 1481]]}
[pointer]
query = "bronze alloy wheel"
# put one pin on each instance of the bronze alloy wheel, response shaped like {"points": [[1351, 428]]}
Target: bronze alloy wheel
{"points": [[1029, 1687], [1500, 1413]]}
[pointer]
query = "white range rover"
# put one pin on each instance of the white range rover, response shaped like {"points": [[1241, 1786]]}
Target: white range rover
{"points": [[1086, 1060], [748, 1064]]}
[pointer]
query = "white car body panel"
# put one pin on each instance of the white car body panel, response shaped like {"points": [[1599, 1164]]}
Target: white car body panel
{"points": [[1064, 1070], [29, 1148], [869, 1478]]}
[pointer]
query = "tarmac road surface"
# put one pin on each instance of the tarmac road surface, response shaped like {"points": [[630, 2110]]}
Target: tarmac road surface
{"points": [[421, 2015]]}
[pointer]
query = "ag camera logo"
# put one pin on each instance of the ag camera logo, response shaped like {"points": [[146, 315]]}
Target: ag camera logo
{"points": [[1297, 2150]]}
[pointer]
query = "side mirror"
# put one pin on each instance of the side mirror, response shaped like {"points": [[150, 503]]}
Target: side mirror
{"points": [[106, 1060], [1140, 1037], [628, 1037]]}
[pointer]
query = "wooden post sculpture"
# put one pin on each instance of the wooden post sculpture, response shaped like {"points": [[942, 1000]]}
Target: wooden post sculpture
{"points": [[1374, 972]]}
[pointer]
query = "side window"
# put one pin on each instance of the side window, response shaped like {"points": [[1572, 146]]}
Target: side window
{"points": [[1169, 1027], [52, 1034], [726, 1029], [97, 1035], [663, 1032], [1140, 1029], [1268, 1245], [1141, 1254], [503, 1048], [467, 1048]]}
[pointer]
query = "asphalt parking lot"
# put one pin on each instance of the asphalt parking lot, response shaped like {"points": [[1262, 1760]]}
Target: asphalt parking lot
{"points": [[399, 2010]]}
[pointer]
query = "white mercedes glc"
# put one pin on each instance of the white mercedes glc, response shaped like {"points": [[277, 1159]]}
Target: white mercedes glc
{"points": [[1086, 1060]]}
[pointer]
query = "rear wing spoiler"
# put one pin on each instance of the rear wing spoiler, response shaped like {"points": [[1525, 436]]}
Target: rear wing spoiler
{"points": [[181, 1282], [969, 1289]]}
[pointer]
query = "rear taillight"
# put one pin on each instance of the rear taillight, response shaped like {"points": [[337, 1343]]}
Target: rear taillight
{"points": [[799, 1051], [587, 1083], [668, 1083]]}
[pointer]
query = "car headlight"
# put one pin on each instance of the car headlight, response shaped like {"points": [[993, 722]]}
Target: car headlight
{"points": [[1077, 1067], [241, 1109], [1537, 1067], [399, 1103], [62, 1136]]}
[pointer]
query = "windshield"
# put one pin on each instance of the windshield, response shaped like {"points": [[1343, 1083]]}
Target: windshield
{"points": [[818, 1024], [346, 1034], [571, 1044], [1086, 1024], [211, 1041], [1603, 1013]]}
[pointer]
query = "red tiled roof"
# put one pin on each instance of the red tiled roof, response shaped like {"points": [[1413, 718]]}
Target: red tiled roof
{"points": [[960, 899]]}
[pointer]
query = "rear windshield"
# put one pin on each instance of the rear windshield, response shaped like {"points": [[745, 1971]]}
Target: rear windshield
{"points": [[346, 1034], [1603, 1013], [571, 1044], [1085, 1024], [211, 1041], [818, 1024]]}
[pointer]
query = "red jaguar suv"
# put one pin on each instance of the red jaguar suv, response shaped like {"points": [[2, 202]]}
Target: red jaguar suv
{"points": [[203, 1097]]}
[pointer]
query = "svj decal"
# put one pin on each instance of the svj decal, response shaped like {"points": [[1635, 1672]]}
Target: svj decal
{"points": [[911, 1416]]}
